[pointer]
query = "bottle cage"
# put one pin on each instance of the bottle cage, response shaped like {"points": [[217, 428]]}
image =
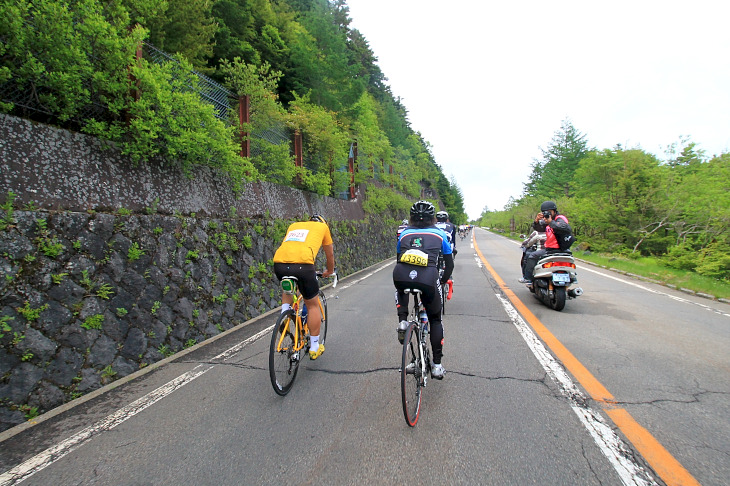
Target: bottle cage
{"points": [[289, 285]]}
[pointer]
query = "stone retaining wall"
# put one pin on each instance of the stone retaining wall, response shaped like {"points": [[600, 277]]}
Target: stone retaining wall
{"points": [[58, 169]]}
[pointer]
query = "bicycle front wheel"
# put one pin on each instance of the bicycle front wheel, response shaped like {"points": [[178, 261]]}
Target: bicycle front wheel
{"points": [[323, 308], [283, 359], [411, 379]]}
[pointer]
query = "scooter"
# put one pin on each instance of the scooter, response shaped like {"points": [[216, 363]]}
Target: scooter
{"points": [[552, 280]]}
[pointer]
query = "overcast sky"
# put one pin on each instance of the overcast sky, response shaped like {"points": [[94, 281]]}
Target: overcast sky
{"points": [[488, 83]]}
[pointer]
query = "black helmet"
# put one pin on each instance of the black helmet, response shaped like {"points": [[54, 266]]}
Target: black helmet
{"points": [[318, 218], [422, 211], [442, 216], [548, 205]]}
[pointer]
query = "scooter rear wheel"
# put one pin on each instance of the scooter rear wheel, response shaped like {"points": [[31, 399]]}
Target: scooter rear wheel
{"points": [[557, 302]]}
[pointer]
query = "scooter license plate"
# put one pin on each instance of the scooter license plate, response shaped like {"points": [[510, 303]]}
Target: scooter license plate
{"points": [[561, 278]]}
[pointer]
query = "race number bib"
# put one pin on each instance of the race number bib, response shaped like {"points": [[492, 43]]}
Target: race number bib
{"points": [[297, 235], [414, 257]]}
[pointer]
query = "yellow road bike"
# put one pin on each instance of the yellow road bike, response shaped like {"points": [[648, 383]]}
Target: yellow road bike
{"points": [[290, 338]]}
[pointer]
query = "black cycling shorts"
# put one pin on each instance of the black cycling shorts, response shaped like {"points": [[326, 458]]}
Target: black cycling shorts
{"points": [[306, 277]]}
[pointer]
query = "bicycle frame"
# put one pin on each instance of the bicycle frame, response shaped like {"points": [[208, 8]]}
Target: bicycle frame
{"points": [[301, 327], [423, 347]]}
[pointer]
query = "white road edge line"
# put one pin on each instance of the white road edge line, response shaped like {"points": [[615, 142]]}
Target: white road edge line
{"points": [[674, 297], [610, 444], [44, 459], [348, 285]]}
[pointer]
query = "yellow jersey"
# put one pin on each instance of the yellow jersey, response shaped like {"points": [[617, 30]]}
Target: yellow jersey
{"points": [[302, 242]]}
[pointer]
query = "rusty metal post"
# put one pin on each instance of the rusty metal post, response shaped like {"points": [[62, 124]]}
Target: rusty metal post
{"points": [[332, 174], [244, 114], [351, 168], [298, 156]]}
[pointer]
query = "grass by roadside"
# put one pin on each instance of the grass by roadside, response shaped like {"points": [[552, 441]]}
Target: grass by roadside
{"points": [[651, 268]]}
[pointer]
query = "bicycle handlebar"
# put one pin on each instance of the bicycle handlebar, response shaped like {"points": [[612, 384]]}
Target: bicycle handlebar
{"points": [[334, 275]]}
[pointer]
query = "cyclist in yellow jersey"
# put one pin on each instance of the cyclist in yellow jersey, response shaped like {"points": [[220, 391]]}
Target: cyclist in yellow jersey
{"points": [[295, 258]]}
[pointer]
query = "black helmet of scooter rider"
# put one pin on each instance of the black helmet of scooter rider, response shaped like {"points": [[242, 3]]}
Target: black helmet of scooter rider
{"points": [[442, 216], [548, 205], [422, 211]]}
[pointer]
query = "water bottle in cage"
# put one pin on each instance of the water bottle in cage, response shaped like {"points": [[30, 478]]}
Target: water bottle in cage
{"points": [[304, 312]]}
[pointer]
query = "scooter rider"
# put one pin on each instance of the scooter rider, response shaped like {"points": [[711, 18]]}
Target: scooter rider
{"points": [[556, 223]]}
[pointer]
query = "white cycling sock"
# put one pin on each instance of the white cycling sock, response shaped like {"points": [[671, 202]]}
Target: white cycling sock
{"points": [[285, 307], [313, 343]]}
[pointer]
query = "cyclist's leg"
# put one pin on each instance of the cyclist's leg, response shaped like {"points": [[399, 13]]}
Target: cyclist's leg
{"points": [[282, 270], [401, 302], [432, 303], [314, 323], [402, 280], [531, 261], [314, 319]]}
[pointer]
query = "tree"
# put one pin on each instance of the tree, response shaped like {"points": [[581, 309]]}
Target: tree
{"points": [[624, 194], [553, 175], [186, 28]]}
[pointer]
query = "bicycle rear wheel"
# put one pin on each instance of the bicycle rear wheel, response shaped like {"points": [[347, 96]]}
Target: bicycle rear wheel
{"points": [[283, 360], [411, 378]]}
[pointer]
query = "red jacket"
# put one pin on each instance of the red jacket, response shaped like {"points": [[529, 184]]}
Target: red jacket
{"points": [[552, 242]]}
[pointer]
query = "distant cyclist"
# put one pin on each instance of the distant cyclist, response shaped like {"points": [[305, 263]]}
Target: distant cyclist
{"points": [[420, 244], [442, 218], [402, 226], [295, 258]]}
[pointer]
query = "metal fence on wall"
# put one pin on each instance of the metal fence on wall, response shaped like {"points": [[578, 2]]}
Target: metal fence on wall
{"points": [[208, 90]]}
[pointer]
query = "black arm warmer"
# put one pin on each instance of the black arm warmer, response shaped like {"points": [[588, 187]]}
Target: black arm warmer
{"points": [[449, 261]]}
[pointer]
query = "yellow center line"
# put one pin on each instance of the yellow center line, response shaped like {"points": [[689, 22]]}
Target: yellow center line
{"points": [[663, 463]]}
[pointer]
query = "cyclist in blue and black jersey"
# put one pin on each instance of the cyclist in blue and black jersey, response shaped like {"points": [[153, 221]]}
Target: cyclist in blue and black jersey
{"points": [[442, 221], [419, 247]]}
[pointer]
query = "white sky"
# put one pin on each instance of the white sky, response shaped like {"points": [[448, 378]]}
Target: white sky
{"points": [[488, 83]]}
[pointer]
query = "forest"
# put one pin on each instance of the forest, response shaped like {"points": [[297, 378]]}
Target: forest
{"points": [[302, 65], [626, 201]]}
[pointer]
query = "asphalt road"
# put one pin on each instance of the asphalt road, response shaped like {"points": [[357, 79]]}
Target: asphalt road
{"points": [[643, 399]]}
